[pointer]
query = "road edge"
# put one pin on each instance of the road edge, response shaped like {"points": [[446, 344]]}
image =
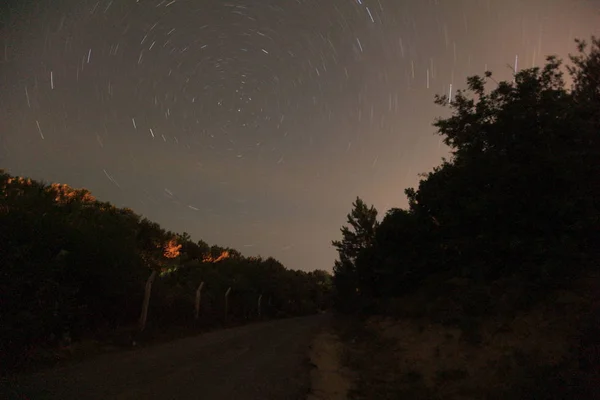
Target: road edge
{"points": [[329, 379]]}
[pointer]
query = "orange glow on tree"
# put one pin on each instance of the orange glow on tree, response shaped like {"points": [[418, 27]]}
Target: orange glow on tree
{"points": [[171, 249], [209, 259], [65, 194]]}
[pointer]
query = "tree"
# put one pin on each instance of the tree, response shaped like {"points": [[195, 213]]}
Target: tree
{"points": [[584, 149], [74, 267], [356, 238], [517, 199], [523, 156]]}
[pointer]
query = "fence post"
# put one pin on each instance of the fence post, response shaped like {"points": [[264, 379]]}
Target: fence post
{"points": [[227, 301], [259, 300], [198, 296], [146, 302]]}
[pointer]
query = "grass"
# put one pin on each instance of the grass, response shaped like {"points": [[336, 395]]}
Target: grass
{"points": [[368, 354], [543, 347]]}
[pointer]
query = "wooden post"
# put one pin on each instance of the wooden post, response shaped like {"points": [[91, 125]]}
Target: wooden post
{"points": [[259, 300], [227, 301], [146, 302], [198, 296]]}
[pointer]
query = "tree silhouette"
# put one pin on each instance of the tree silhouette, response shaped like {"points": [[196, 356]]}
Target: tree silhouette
{"points": [[350, 276], [518, 198], [73, 267]]}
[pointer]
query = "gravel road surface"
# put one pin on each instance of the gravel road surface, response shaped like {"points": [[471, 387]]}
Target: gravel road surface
{"points": [[260, 361]]}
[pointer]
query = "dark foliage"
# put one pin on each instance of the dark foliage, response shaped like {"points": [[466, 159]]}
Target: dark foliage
{"points": [[517, 200], [74, 268]]}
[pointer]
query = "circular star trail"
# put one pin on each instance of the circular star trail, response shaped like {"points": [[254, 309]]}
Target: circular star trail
{"points": [[254, 124]]}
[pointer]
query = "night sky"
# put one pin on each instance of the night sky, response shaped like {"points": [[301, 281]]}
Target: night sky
{"points": [[254, 124]]}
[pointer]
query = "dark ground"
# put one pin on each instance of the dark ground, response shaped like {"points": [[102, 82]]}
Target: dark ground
{"points": [[259, 361]]}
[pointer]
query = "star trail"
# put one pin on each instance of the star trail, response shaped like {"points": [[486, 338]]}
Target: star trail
{"points": [[254, 123]]}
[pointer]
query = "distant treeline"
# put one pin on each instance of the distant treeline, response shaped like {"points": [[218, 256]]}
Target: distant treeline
{"points": [[73, 267], [518, 201]]}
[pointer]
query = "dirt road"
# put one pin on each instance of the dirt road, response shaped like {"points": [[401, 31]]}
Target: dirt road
{"points": [[261, 361]]}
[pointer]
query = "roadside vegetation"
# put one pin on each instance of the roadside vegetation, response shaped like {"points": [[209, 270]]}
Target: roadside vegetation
{"points": [[487, 285], [81, 276]]}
